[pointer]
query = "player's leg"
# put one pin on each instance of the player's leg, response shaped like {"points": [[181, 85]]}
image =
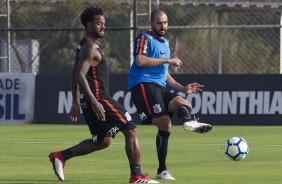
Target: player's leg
{"points": [[100, 140], [164, 128], [148, 99], [190, 123], [58, 159], [123, 122], [132, 149], [85, 147]]}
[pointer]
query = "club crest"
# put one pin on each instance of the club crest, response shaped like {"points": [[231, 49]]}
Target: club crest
{"points": [[157, 108]]}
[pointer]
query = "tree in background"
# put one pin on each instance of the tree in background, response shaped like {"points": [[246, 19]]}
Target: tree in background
{"points": [[58, 29]]}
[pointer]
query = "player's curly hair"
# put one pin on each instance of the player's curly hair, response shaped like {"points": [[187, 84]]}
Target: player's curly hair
{"points": [[89, 14]]}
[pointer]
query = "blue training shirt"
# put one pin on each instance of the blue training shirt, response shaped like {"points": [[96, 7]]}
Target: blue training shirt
{"points": [[148, 45]]}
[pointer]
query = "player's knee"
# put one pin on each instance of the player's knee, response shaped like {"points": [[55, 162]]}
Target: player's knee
{"points": [[163, 123], [176, 102], [106, 142], [132, 134]]}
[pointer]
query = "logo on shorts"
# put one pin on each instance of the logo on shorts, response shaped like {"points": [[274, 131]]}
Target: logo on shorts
{"points": [[113, 131], [83, 105], [128, 117], [157, 108], [142, 116], [95, 138]]}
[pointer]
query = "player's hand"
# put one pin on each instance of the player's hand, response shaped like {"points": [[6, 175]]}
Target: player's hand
{"points": [[194, 88], [74, 112], [99, 111], [175, 62]]}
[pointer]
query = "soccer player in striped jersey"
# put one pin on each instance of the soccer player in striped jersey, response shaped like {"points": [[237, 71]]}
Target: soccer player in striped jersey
{"points": [[148, 80], [105, 117]]}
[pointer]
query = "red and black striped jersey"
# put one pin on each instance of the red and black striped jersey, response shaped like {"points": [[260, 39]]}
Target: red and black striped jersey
{"points": [[98, 76]]}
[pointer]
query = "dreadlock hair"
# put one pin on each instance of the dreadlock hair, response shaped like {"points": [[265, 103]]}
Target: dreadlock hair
{"points": [[89, 14]]}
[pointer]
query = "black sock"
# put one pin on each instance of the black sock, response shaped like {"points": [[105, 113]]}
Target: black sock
{"points": [[184, 113], [67, 154], [135, 170], [162, 146]]}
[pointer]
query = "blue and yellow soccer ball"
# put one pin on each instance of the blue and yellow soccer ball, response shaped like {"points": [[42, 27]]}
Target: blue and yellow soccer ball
{"points": [[236, 148]]}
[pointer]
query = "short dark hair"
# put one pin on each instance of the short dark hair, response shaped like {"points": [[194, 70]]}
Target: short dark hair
{"points": [[89, 14], [154, 12]]}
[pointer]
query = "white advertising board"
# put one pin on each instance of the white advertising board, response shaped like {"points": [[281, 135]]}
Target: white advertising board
{"points": [[17, 91]]}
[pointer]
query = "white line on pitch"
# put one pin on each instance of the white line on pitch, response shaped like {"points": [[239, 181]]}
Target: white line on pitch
{"points": [[118, 143]]}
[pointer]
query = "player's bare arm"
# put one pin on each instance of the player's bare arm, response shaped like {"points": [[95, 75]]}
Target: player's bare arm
{"points": [[173, 84], [175, 62], [89, 56], [144, 61], [190, 88], [75, 108]]}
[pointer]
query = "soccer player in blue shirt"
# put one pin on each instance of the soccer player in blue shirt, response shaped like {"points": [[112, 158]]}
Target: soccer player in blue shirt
{"points": [[148, 80]]}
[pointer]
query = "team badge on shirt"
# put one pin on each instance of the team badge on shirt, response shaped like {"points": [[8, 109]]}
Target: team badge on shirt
{"points": [[157, 108]]}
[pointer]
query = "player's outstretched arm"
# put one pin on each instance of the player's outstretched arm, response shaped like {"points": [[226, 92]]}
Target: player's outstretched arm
{"points": [[190, 88]]}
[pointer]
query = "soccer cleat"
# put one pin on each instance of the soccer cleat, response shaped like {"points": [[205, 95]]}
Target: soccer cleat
{"points": [[165, 175], [195, 126], [58, 164], [141, 179]]}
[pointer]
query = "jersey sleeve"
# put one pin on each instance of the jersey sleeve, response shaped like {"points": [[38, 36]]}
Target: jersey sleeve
{"points": [[141, 47]]}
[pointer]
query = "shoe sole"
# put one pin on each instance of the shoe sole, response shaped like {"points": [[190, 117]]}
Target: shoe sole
{"points": [[202, 129], [144, 181], [52, 160], [165, 179]]}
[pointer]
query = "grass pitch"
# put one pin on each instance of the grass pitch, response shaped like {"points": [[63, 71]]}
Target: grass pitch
{"points": [[193, 158]]}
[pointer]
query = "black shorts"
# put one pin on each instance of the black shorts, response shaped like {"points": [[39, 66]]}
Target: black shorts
{"points": [[117, 118], [151, 101]]}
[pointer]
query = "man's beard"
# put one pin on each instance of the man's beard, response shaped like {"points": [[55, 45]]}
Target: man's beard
{"points": [[157, 33], [96, 35]]}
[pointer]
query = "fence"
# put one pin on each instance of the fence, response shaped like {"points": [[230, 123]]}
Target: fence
{"points": [[210, 37]]}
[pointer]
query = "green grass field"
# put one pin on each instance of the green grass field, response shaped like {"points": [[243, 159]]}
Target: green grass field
{"points": [[193, 158]]}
